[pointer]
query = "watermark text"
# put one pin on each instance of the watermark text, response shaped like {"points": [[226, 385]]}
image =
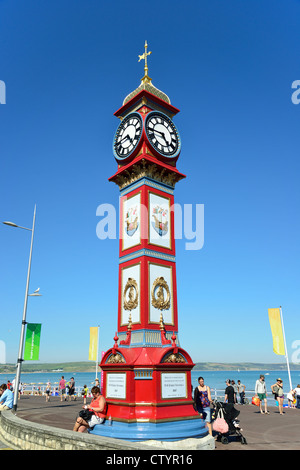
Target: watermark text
{"points": [[2, 352], [296, 94], [2, 92], [188, 223]]}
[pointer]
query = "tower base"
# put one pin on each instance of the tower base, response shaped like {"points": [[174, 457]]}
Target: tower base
{"points": [[166, 431]]}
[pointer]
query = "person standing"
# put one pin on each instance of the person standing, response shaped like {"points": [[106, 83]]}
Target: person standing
{"points": [[97, 384], [48, 391], [277, 390], [241, 391], [261, 392], [297, 396], [235, 388], [21, 390], [229, 393], [62, 388], [84, 393], [72, 388], [202, 399]]}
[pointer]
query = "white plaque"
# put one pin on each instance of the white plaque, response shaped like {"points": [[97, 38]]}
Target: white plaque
{"points": [[116, 386], [173, 385], [131, 223], [159, 221]]}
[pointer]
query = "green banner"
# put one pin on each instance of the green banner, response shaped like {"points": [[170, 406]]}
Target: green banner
{"points": [[32, 342]]}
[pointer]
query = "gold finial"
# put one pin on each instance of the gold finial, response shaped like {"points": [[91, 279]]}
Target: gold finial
{"points": [[146, 82], [129, 322], [146, 78], [161, 322]]}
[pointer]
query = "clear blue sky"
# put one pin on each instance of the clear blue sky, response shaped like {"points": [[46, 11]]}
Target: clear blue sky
{"points": [[228, 66]]}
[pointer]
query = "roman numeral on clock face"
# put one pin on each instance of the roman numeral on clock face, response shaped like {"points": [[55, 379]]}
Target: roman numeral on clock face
{"points": [[162, 133], [128, 135]]}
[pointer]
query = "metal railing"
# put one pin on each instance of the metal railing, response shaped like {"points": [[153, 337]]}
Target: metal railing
{"points": [[40, 389], [217, 395]]}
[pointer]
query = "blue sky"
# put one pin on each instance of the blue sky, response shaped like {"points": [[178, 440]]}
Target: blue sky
{"points": [[228, 66]]}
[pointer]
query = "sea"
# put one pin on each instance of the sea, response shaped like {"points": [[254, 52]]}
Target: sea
{"points": [[215, 379]]}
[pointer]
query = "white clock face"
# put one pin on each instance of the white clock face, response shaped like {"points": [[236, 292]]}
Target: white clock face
{"points": [[127, 136], [162, 134]]}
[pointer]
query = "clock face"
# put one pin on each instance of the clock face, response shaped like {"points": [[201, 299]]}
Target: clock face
{"points": [[162, 134], [127, 136]]}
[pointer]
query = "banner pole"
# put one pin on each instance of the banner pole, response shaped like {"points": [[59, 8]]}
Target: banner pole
{"points": [[102, 379], [286, 353], [97, 352]]}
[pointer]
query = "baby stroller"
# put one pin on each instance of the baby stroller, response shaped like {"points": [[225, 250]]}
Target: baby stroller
{"points": [[229, 414]]}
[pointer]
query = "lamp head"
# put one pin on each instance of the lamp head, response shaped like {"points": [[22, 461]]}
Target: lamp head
{"points": [[11, 224]]}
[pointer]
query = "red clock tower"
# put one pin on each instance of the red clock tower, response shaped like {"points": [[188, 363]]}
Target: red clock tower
{"points": [[147, 375]]}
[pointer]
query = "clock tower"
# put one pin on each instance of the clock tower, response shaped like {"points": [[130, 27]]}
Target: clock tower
{"points": [[146, 373]]}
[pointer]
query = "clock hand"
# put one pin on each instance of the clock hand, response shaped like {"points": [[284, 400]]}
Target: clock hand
{"points": [[159, 132], [124, 140], [163, 134]]}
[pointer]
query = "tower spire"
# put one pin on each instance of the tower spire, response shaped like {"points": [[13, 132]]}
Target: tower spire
{"points": [[144, 56], [146, 81]]}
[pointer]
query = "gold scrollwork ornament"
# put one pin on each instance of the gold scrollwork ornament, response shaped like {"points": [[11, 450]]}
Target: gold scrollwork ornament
{"points": [[174, 358], [133, 295], [159, 287], [116, 359]]}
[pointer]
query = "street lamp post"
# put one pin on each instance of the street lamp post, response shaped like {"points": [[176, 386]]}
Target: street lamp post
{"points": [[21, 345]]}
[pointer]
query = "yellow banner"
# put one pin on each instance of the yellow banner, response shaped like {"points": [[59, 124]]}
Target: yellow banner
{"points": [[93, 343], [276, 328]]}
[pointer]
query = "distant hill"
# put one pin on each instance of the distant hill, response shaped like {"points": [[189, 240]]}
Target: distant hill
{"points": [[243, 366], [50, 367], [89, 366]]}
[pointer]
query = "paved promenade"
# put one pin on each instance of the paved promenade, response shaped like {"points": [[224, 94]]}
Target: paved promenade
{"points": [[263, 432]]}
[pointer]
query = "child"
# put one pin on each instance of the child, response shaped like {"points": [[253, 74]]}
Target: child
{"points": [[291, 398], [84, 392]]}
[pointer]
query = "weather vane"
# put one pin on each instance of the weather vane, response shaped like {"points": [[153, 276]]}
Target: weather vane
{"points": [[144, 57]]}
